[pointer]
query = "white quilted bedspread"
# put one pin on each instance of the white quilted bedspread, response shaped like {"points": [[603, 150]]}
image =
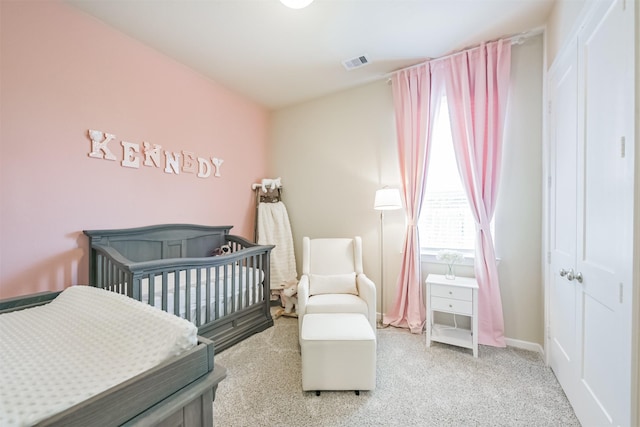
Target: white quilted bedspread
{"points": [[80, 344]]}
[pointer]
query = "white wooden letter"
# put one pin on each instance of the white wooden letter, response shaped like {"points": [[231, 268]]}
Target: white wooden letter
{"points": [[188, 162], [204, 168], [217, 163], [129, 156], [172, 162], [99, 147], [151, 155]]}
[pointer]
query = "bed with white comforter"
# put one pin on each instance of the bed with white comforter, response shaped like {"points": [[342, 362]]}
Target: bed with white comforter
{"points": [[83, 343]]}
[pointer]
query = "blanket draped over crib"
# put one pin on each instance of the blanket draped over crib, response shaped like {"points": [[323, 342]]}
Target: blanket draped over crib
{"points": [[273, 228]]}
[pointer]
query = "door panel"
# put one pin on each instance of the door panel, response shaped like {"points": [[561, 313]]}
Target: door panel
{"points": [[562, 204], [599, 351], [564, 161], [602, 220], [603, 228]]}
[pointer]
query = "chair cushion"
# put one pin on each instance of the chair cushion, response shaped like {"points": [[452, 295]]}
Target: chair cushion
{"points": [[336, 303], [330, 256], [336, 327], [333, 284]]}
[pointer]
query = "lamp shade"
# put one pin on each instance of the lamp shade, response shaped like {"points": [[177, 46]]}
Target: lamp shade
{"points": [[296, 4], [387, 199]]}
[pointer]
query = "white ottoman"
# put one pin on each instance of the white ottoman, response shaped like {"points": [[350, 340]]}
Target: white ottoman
{"points": [[338, 352]]}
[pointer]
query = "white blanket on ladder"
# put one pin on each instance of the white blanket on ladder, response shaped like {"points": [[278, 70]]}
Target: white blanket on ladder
{"points": [[274, 229]]}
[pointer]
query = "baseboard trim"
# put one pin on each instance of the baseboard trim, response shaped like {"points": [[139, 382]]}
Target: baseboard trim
{"points": [[525, 345], [510, 342]]}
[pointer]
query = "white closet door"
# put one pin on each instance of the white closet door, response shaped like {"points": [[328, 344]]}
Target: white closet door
{"points": [[591, 89], [563, 298], [605, 220]]}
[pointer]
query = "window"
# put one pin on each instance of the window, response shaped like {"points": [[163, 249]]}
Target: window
{"points": [[446, 221]]}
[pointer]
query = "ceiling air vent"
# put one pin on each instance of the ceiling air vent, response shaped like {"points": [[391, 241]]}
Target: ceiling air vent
{"points": [[357, 62]]}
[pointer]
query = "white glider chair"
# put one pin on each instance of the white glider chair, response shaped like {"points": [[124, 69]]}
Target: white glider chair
{"points": [[332, 280]]}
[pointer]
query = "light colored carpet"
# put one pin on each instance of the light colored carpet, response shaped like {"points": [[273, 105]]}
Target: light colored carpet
{"points": [[416, 386]]}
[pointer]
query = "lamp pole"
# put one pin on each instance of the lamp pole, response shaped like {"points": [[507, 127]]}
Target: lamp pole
{"points": [[381, 323], [386, 199]]}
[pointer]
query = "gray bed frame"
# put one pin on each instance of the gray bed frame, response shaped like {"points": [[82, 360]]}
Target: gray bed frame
{"points": [[179, 391], [121, 259]]}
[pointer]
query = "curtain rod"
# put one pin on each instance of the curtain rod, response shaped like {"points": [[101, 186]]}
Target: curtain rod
{"points": [[516, 39]]}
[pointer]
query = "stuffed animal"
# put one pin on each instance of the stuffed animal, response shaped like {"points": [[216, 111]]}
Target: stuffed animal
{"points": [[289, 299], [222, 250], [272, 184]]}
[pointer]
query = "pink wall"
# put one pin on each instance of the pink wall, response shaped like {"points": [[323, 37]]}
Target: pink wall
{"points": [[62, 73]]}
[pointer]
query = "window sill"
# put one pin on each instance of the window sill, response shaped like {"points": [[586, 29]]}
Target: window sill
{"points": [[430, 256]]}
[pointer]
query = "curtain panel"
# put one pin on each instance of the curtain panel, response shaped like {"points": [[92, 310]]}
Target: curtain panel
{"points": [[477, 86], [414, 116]]}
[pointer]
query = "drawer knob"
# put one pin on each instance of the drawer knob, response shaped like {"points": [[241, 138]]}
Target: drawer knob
{"points": [[450, 293], [450, 306]]}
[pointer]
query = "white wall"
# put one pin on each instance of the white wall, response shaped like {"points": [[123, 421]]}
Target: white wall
{"points": [[334, 152], [519, 212]]}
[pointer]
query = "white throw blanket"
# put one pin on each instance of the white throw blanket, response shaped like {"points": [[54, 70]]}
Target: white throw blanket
{"points": [[274, 229]]}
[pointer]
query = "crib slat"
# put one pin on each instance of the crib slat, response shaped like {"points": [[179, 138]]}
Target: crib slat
{"points": [[151, 285], [236, 293], [229, 289], [121, 288], [208, 296], [112, 274], [134, 286], [261, 292], [198, 297], [246, 288], [255, 278], [176, 292], [98, 273], [164, 290], [219, 300], [187, 296], [107, 268], [105, 272]]}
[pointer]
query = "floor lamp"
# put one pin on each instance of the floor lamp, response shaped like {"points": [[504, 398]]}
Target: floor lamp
{"points": [[386, 199]]}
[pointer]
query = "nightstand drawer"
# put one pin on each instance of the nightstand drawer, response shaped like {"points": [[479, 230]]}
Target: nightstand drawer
{"points": [[452, 305], [465, 294]]}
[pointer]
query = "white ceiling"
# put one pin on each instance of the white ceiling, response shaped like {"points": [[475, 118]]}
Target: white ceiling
{"points": [[278, 56]]}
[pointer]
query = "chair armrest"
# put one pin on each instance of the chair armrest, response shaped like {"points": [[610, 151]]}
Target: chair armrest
{"points": [[367, 291], [303, 297]]}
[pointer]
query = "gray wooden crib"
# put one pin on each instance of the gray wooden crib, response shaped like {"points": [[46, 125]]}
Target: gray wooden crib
{"points": [[218, 281]]}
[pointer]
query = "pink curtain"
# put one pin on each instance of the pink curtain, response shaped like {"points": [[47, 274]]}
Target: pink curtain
{"points": [[414, 114], [477, 85]]}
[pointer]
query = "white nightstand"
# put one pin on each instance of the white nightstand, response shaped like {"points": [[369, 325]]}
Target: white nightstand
{"points": [[457, 296]]}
